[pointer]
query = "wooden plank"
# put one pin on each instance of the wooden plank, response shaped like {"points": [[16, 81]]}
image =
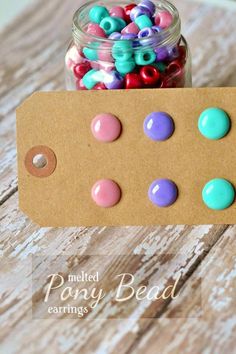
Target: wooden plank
{"points": [[214, 328], [21, 239]]}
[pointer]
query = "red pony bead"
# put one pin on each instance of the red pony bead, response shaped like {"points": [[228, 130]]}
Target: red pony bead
{"points": [[81, 69], [128, 9], [167, 83], [150, 75], [174, 68], [99, 86], [182, 54], [133, 81]]}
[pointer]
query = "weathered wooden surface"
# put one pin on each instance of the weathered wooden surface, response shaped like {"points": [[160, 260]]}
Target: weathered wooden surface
{"points": [[32, 51]]}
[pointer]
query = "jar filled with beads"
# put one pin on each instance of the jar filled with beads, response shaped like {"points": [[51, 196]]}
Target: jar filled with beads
{"points": [[122, 45]]}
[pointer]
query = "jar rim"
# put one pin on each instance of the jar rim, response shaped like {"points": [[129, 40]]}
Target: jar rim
{"points": [[166, 36]]}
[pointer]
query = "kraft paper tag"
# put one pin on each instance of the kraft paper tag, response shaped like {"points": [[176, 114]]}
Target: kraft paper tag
{"points": [[56, 125]]}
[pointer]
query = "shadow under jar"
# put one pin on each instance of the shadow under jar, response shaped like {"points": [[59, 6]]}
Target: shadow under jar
{"points": [[127, 46]]}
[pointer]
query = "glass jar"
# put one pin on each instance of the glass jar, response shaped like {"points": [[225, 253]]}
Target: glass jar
{"points": [[159, 60]]}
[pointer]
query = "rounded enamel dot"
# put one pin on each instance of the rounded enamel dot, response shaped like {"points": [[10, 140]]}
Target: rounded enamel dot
{"points": [[106, 193], [106, 127], [163, 192], [214, 123], [159, 126], [218, 194]]}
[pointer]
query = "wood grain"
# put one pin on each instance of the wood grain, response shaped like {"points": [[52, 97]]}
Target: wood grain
{"points": [[32, 51], [215, 330]]}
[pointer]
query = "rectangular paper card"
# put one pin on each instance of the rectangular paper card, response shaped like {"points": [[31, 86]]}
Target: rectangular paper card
{"points": [[57, 125]]}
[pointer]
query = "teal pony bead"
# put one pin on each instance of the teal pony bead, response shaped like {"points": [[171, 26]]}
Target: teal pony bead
{"points": [[97, 13], [218, 194], [111, 24], [122, 50], [125, 67], [143, 22], [92, 78], [144, 57], [122, 22], [91, 53]]}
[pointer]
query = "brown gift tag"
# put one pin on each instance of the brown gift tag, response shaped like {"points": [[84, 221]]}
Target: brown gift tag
{"points": [[57, 125]]}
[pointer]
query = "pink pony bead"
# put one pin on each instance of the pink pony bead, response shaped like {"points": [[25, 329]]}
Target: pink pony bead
{"points": [[79, 85], [104, 54], [102, 65], [131, 28], [163, 19], [73, 58], [95, 65], [117, 11], [95, 30]]}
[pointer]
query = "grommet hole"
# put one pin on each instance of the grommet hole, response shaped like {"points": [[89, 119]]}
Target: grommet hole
{"points": [[40, 161]]}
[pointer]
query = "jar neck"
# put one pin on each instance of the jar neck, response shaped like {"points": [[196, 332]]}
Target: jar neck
{"points": [[167, 37]]}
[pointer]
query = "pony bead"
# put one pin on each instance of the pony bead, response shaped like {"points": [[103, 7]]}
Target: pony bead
{"points": [[131, 28], [128, 53], [113, 80], [95, 30], [98, 13], [128, 9], [125, 67], [150, 75], [148, 5], [139, 11], [143, 21], [163, 19], [133, 81], [144, 57], [117, 11]]}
